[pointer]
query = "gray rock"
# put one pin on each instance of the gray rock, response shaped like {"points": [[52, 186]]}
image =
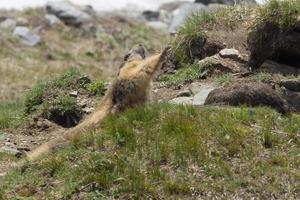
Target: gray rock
{"points": [[201, 96], [8, 24], [195, 87], [68, 13], [184, 93], [10, 150], [151, 15], [230, 53], [52, 20], [182, 13], [182, 101], [88, 110], [158, 25], [21, 21], [291, 84], [73, 93], [26, 36]]}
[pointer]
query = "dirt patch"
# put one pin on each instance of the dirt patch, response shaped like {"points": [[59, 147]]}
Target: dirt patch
{"points": [[250, 93]]}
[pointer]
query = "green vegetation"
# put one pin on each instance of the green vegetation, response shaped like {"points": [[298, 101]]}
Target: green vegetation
{"points": [[187, 74], [97, 88], [264, 77], [224, 79], [39, 97], [283, 14], [11, 115], [167, 151]]}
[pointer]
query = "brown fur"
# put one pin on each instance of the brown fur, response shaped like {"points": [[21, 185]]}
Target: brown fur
{"points": [[129, 89]]}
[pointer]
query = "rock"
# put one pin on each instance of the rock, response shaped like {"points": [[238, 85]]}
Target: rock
{"points": [[10, 150], [8, 24], [183, 12], [151, 15], [291, 84], [52, 20], [171, 6], [293, 98], [201, 96], [195, 87], [269, 41], [88, 110], [68, 13], [250, 93], [184, 93], [26, 36], [182, 101], [230, 53], [21, 21], [74, 94], [158, 25], [276, 68]]}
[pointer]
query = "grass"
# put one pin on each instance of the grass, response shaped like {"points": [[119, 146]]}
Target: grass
{"points": [[224, 79], [262, 76], [167, 151], [97, 88], [187, 74], [11, 115]]}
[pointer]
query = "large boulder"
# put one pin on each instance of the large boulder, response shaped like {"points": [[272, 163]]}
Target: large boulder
{"points": [[182, 13], [227, 2], [250, 93], [26, 36], [68, 13]]}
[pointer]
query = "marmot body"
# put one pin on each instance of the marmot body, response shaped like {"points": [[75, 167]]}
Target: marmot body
{"points": [[129, 89]]}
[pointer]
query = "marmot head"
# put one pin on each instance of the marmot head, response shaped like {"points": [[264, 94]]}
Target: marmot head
{"points": [[136, 52]]}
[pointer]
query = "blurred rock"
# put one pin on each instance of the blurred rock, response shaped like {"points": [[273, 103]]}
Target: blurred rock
{"points": [[68, 13], [201, 96], [182, 13], [52, 20], [151, 15], [21, 21], [158, 25], [8, 24], [26, 36], [10, 150], [291, 84], [184, 93], [182, 101]]}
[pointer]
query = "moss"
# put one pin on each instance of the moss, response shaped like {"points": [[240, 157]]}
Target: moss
{"points": [[224, 79], [11, 114]]}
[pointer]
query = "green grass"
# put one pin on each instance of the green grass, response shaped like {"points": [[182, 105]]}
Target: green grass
{"points": [[171, 152], [97, 88], [11, 115], [264, 77], [224, 79], [187, 74], [283, 13]]}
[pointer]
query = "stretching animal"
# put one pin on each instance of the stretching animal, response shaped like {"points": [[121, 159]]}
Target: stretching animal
{"points": [[131, 88]]}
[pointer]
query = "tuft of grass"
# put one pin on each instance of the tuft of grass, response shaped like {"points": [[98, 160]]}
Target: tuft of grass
{"points": [[224, 79], [97, 87], [187, 74], [166, 151], [11, 115], [283, 14], [264, 77]]}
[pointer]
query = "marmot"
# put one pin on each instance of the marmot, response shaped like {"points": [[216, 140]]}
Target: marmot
{"points": [[131, 88]]}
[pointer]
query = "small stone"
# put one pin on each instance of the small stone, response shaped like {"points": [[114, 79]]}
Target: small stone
{"points": [[21, 21], [52, 20], [230, 53], [88, 110], [73, 93], [182, 101], [184, 93], [26, 36], [8, 24], [2, 174], [201, 96], [10, 150], [158, 25]]}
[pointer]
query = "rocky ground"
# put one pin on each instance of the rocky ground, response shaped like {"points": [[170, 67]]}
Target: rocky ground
{"points": [[219, 58]]}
